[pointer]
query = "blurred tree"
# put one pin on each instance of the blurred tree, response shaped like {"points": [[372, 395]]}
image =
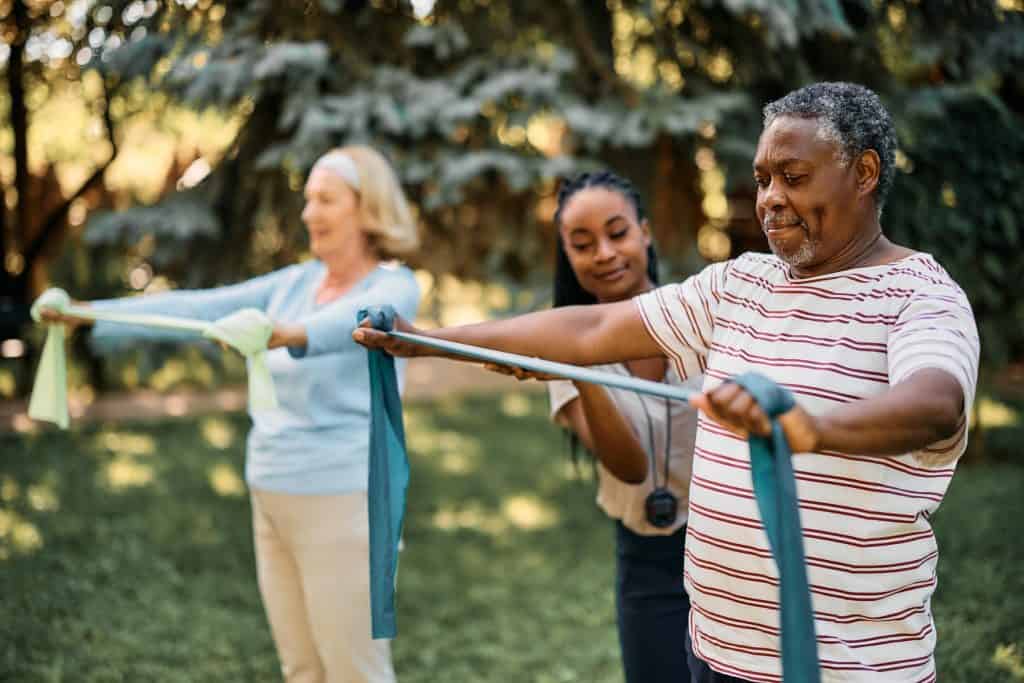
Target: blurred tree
{"points": [[484, 102], [481, 106], [41, 41], [61, 157]]}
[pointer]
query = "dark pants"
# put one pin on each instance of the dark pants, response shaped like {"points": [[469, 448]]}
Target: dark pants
{"points": [[701, 672], [653, 609]]}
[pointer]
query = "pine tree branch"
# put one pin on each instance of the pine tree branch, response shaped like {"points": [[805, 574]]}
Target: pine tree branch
{"points": [[592, 56]]}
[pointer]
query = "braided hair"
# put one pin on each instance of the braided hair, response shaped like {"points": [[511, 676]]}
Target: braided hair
{"points": [[567, 288]]}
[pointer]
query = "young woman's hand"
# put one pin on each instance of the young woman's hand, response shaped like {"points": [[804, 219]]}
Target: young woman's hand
{"points": [[520, 373]]}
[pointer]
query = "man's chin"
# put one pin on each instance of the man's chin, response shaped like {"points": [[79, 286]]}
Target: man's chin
{"points": [[798, 256]]}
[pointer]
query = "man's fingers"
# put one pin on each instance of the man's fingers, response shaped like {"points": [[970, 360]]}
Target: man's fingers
{"points": [[403, 325], [760, 424], [703, 403], [377, 339], [739, 407], [734, 406], [722, 395], [369, 337]]}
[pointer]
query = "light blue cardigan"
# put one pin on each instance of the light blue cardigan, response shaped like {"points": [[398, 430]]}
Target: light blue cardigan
{"points": [[316, 441]]}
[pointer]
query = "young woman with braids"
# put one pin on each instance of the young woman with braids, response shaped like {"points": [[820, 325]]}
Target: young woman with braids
{"points": [[643, 444]]}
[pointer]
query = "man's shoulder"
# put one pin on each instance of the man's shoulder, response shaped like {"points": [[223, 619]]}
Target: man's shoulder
{"points": [[920, 272]]}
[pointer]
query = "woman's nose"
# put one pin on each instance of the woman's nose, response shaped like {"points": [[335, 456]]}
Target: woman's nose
{"points": [[605, 250]]}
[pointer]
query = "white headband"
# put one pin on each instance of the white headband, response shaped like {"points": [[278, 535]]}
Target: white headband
{"points": [[341, 165]]}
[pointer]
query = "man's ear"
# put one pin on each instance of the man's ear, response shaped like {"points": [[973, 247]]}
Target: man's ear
{"points": [[868, 168]]}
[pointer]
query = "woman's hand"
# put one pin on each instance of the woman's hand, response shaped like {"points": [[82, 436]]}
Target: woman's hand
{"points": [[287, 335], [71, 322], [519, 373], [733, 407], [366, 336]]}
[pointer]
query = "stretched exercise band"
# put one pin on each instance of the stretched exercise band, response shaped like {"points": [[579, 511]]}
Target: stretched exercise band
{"points": [[770, 465], [771, 469], [246, 330]]}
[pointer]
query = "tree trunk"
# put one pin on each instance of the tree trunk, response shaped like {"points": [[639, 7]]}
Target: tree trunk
{"points": [[19, 116]]}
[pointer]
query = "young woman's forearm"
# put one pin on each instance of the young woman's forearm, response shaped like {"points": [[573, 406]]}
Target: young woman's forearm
{"points": [[612, 439]]}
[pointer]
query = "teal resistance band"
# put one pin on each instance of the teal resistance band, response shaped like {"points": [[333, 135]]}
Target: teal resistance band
{"points": [[771, 471], [389, 478]]}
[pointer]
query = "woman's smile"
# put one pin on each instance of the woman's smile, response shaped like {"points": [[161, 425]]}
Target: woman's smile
{"points": [[612, 275]]}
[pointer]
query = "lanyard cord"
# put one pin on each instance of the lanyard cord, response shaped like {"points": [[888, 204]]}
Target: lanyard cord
{"points": [[650, 438], [668, 438]]}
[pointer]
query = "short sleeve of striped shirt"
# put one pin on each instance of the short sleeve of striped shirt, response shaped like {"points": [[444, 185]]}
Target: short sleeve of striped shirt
{"points": [[680, 317], [935, 329]]}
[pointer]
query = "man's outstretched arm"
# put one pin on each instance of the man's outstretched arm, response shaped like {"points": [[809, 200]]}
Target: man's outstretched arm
{"points": [[580, 335]]}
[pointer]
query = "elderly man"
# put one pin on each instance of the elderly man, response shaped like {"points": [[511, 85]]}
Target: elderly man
{"points": [[877, 343]]}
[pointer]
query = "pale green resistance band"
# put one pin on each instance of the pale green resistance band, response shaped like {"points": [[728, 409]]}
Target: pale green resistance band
{"points": [[246, 330]]}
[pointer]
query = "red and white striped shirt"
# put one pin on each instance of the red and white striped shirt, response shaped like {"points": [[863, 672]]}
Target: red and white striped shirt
{"points": [[871, 554]]}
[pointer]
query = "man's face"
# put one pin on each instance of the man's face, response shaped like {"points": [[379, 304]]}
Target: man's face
{"points": [[806, 196]]}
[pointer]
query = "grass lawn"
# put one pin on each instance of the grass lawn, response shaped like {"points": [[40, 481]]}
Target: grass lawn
{"points": [[125, 555]]}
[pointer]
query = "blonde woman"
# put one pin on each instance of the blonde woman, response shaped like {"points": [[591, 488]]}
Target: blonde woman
{"points": [[306, 462]]}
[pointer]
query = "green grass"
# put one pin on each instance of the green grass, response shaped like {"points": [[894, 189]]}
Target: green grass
{"points": [[127, 556]]}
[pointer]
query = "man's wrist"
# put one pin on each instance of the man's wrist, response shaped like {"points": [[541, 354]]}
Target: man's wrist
{"points": [[822, 429]]}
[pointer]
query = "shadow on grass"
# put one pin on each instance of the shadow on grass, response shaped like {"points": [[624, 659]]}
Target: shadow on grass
{"points": [[127, 556]]}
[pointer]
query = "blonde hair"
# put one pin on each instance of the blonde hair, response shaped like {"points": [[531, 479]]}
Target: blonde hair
{"points": [[384, 211]]}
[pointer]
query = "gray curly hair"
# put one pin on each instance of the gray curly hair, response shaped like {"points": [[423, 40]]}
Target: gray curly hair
{"points": [[850, 116]]}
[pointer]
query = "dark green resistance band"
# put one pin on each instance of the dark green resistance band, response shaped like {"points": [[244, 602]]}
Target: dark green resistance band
{"points": [[770, 465]]}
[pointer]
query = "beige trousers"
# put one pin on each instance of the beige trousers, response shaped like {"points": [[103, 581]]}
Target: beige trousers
{"points": [[312, 561]]}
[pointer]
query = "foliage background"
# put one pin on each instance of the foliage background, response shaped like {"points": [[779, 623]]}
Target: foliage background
{"points": [[151, 144]]}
